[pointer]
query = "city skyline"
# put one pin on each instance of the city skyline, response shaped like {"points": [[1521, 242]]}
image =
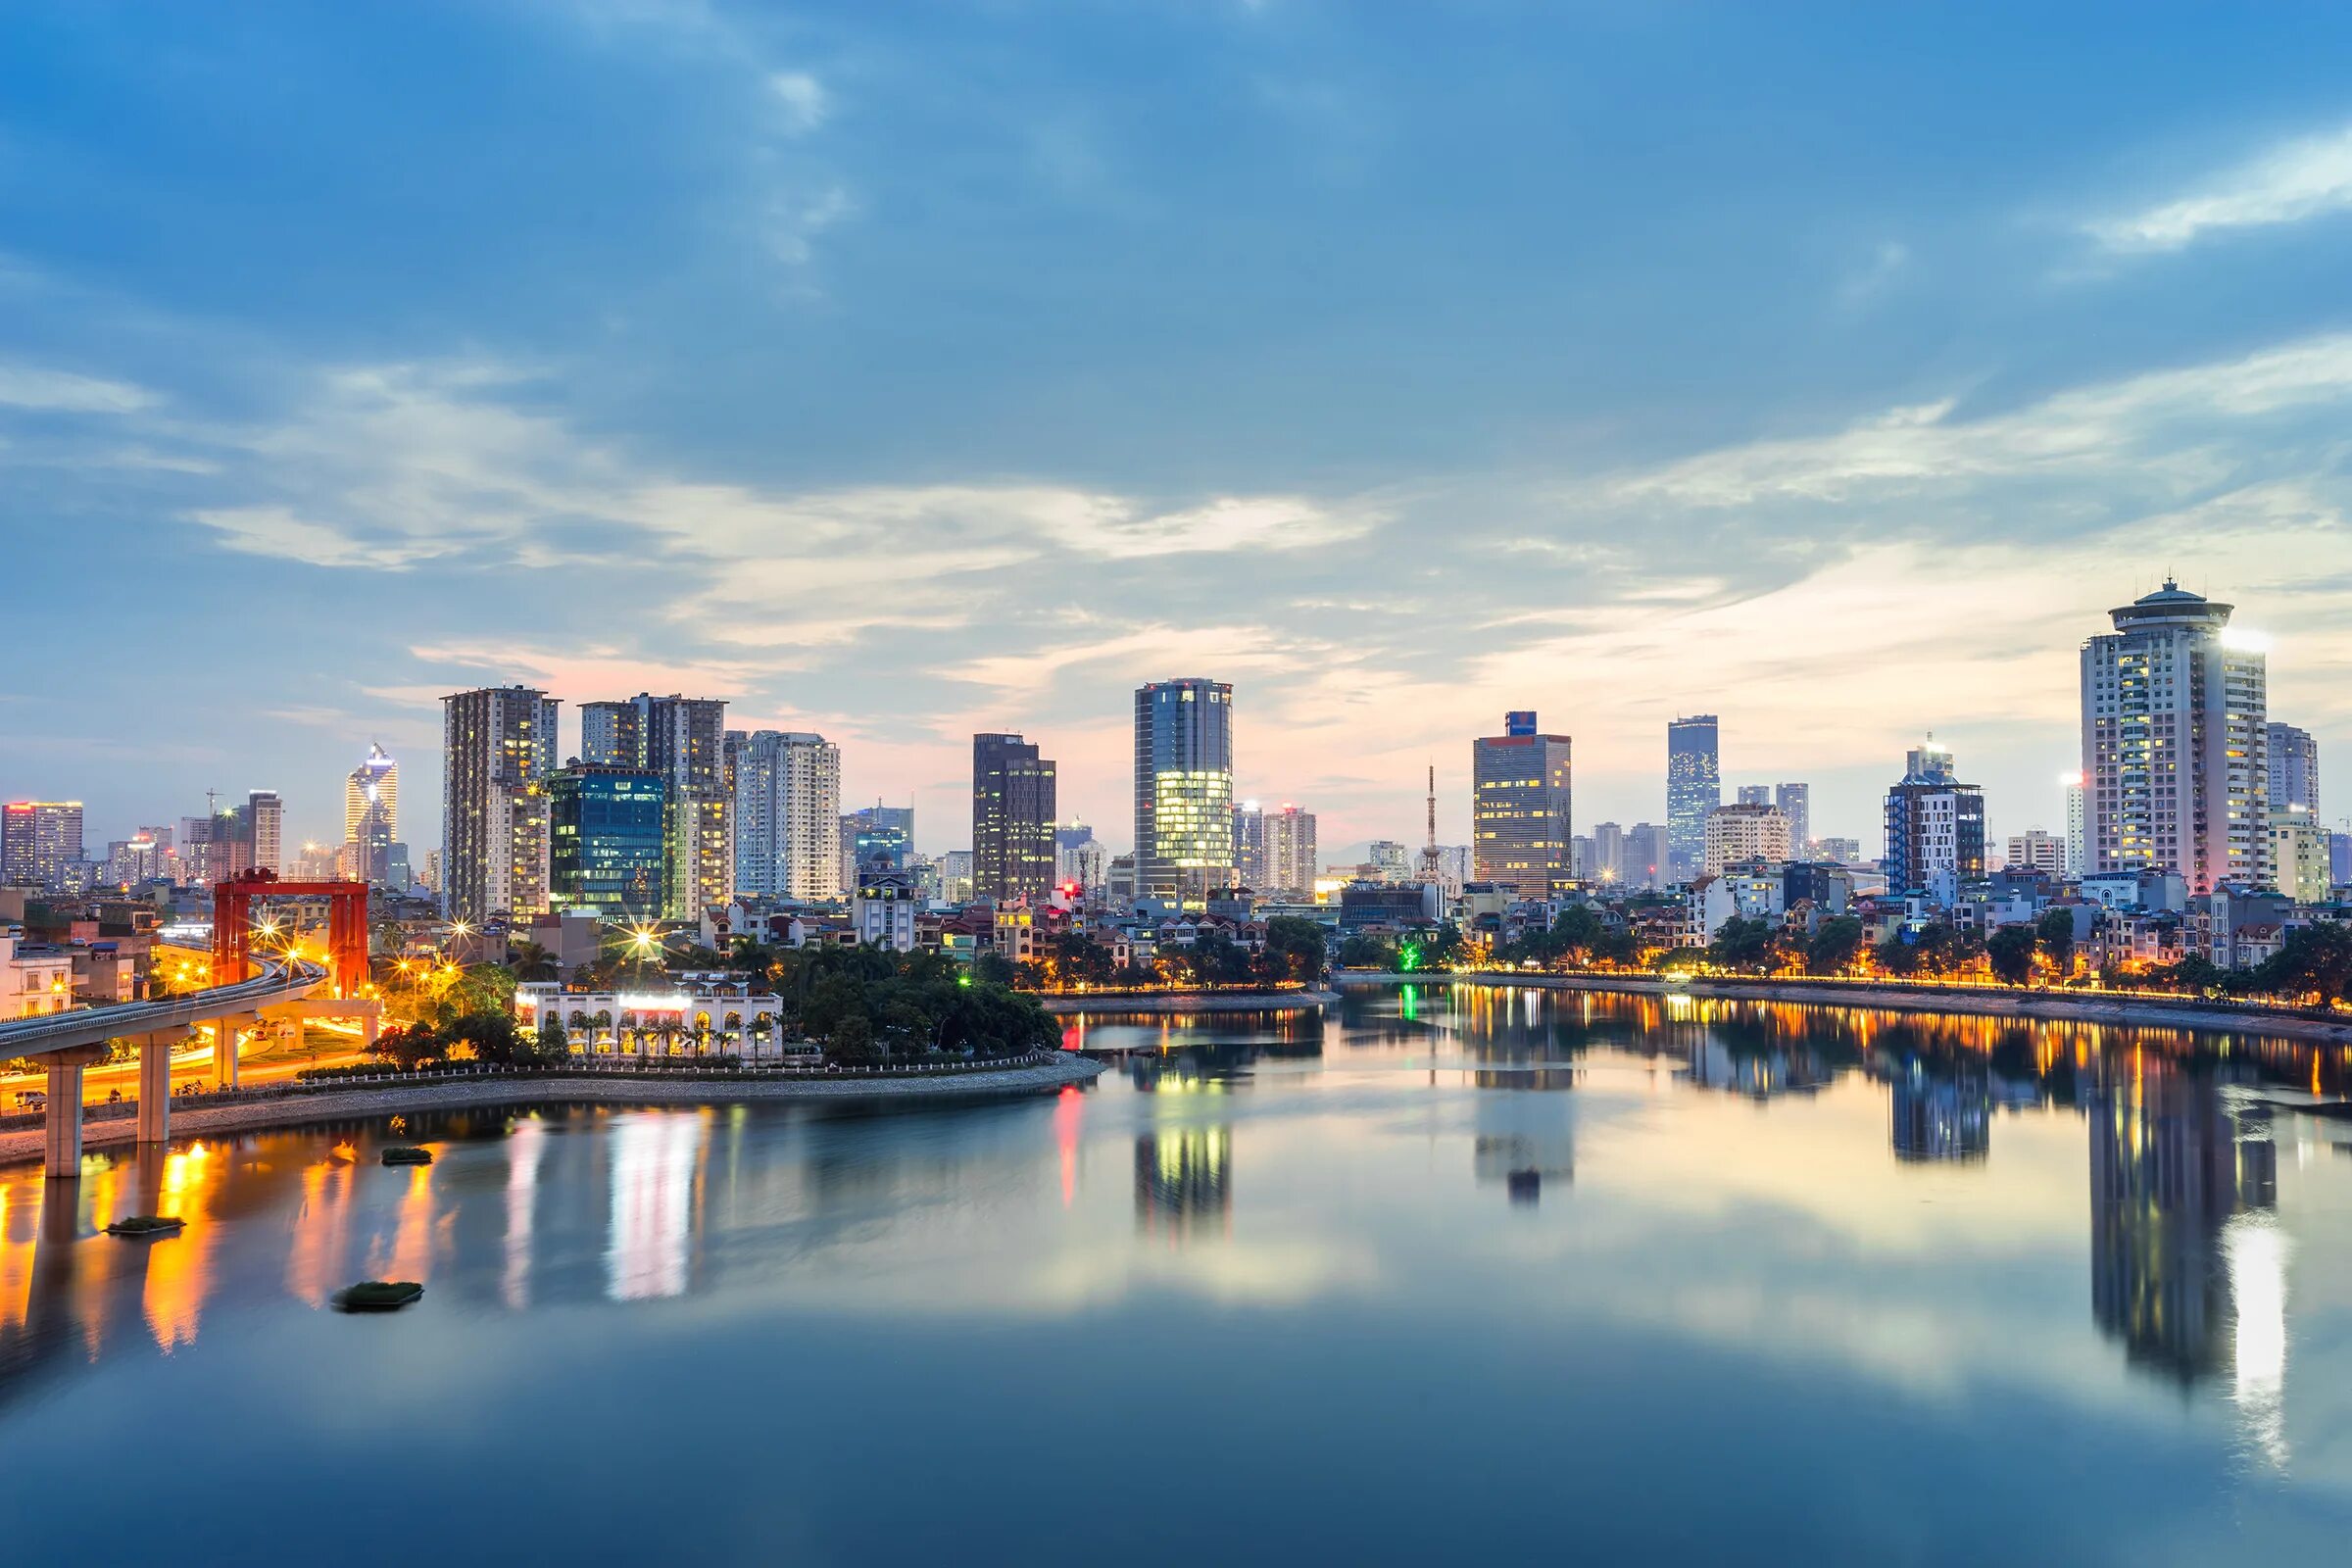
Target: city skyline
{"points": [[1860, 436]]}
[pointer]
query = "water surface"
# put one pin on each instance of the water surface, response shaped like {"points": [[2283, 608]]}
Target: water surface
{"points": [[1441, 1274]]}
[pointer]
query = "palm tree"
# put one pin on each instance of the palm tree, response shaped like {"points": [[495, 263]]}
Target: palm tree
{"points": [[530, 962]]}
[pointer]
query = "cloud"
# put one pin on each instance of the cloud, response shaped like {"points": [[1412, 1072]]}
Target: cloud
{"points": [[24, 386], [804, 100], [2300, 180]]}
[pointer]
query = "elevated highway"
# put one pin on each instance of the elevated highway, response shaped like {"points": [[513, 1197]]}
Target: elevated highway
{"points": [[66, 1044]]}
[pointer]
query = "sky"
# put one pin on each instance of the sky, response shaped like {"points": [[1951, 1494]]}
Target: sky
{"points": [[900, 372]]}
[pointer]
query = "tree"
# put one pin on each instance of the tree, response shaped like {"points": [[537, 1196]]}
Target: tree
{"points": [[553, 1042], [2313, 962], [1742, 944], [411, 1046], [2011, 951], [490, 1036], [992, 968], [1361, 951], [1833, 945], [2055, 930], [530, 962], [1295, 951]]}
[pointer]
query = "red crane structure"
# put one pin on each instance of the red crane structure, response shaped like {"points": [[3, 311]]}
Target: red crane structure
{"points": [[346, 927]]}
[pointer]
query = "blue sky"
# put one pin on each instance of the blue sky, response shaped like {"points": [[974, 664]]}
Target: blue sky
{"points": [[903, 370]]}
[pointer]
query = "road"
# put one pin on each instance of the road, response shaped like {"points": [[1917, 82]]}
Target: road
{"points": [[326, 1043]]}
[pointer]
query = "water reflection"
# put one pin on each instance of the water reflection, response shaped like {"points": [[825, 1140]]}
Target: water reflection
{"points": [[1184, 1181], [1946, 1119]]}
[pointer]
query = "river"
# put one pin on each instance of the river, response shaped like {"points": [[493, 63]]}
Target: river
{"points": [[1437, 1274]]}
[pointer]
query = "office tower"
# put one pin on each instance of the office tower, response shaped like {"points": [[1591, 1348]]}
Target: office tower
{"points": [[1608, 852], [682, 739], [2294, 768], [1934, 829], [1013, 805], [1290, 853], [373, 786], [1795, 802], [2037, 851], [1183, 787], [2174, 744], [1519, 808], [498, 747], [788, 815], [608, 842], [2077, 825], [1744, 831], [38, 841], [1694, 788], [1249, 845], [1753, 795], [876, 833]]}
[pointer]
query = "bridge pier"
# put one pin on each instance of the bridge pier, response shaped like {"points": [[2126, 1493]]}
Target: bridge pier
{"points": [[60, 1143], [224, 1051], [155, 1087]]}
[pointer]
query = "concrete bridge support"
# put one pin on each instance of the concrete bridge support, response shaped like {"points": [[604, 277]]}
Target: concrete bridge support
{"points": [[155, 1086], [225, 1048], [61, 1146]]}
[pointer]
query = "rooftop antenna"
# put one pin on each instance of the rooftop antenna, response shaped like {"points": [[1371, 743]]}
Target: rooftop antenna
{"points": [[1429, 847]]}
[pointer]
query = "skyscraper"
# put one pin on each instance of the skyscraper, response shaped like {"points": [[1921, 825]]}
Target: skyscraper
{"points": [[264, 821], [787, 814], [1249, 845], [371, 812], [2077, 825], [1752, 795], [683, 741], [1934, 829], [1694, 788], [2174, 745], [1013, 806], [872, 833], [608, 837], [498, 747], [1795, 802], [1183, 787], [38, 840], [2294, 766], [1519, 809]]}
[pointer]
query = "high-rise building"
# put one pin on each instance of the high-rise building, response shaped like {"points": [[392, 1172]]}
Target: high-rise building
{"points": [[876, 834], [1694, 788], [1841, 850], [1013, 805], [609, 845], [1183, 789], [1520, 813], [1290, 853], [2037, 851], [1744, 831], [955, 876], [1934, 829], [1249, 845], [371, 789], [2174, 745], [38, 841], [787, 814], [2299, 856], [498, 747], [683, 740], [1753, 795], [2294, 768], [1648, 855], [1608, 852], [1389, 860], [264, 823], [2077, 825], [1795, 802]]}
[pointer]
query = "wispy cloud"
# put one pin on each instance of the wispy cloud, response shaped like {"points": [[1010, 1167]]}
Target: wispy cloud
{"points": [[2289, 183], [25, 386]]}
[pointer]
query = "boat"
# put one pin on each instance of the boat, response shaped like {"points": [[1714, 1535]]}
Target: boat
{"points": [[136, 1225], [408, 1154]]}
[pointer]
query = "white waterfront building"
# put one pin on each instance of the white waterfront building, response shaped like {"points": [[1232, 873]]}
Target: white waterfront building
{"points": [[726, 1018]]}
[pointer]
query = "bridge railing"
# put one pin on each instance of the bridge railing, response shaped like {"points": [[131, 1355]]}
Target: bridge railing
{"points": [[55, 1031]]}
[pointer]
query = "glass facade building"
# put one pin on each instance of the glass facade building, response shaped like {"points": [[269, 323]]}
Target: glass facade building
{"points": [[1013, 805], [1519, 809], [1694, 788], [1183, 789], [608, 842]]}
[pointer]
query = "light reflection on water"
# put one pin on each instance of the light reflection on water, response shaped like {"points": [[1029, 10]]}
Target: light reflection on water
{"points": [[1558, 1246]]}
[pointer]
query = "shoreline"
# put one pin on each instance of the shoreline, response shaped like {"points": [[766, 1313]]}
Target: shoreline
{"points": [[23, 1146], [1109, 1003], [2046, 1006]]}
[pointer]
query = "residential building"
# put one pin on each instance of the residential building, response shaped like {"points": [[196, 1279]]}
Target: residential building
{"points": [[787, 814], [34, 978], [1606, 862], [1249, 845], [2174, 744], [2299, 856], [38, 841], [498, 747], [1520, 809], [1694, 788], [264, 822], [1013, 806], [1934, 829], [1744, 832], [1391, 862], [882, 909], [1648, 855], [1795, 802], [955, 877], [1291, 852], [1843, 851], [608, 842], [2295, 770], [2077, 825], [2039, 851], [1183, 789]]}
